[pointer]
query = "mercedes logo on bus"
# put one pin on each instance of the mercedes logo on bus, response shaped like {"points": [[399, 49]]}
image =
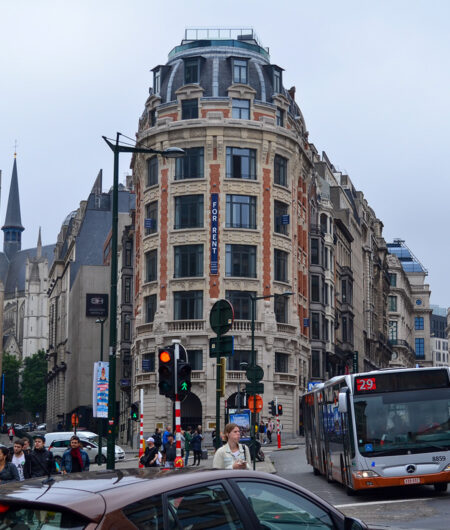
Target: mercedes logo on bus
{"points": [[411, 468]]}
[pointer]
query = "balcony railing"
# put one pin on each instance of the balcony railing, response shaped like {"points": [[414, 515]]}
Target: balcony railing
{"points": [[198, 375], [246, 326], [145, 328], [235, 375], [286, 379], [180, 326], [145, 378], [286, 328]]}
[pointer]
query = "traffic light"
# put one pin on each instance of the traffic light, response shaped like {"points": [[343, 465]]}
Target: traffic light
{"points": [[272, 409], [183, 378], [166, 371], [135, 411], [280, 410]]}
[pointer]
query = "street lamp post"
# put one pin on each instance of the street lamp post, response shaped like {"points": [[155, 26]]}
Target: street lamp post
{"points": [[171, 152], [100, 321], [253, 363]]}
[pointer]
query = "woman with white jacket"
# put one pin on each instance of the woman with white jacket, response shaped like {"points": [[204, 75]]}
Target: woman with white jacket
{"points": [[232, 455]]}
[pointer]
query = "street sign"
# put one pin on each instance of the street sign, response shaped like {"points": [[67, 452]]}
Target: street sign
{"points": [[312, 384], [254, 388], [254, 373], [221, 347], [255, 403], [221, 317]]}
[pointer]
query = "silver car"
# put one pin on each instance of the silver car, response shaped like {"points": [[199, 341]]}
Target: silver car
{"points": [[58, 447]]}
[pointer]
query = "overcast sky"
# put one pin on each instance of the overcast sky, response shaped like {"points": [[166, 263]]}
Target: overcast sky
{"points": [[372, 79]]}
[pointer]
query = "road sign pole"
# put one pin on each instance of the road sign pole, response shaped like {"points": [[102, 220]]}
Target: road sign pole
{"points": [[218, 440], [177, 403], [141, 426], [278, 425]]}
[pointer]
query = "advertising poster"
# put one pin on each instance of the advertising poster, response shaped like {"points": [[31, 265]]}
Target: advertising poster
{"points": [[243, 420], [101, 388]]}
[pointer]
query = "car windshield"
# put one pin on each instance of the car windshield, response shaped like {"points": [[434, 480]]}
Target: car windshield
{"points": [[95, 440], [31, 518], [403, 422]]}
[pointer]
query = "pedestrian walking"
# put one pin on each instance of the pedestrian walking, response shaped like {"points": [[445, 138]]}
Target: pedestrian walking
{"points": [[187, 445], [165, 437], [196, 446], [150, 457], [40, 463], [19, 458], [157, 438], [74, 459], [232, 455], [8, 471], [11, 432], [261, 430], [169, 452], [269, 430]]}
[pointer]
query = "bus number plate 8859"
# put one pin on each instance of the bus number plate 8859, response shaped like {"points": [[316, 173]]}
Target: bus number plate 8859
{"points": [[366, 384]]}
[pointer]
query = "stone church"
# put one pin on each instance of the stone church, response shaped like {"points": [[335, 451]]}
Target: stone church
{"points": [[23, 283]]}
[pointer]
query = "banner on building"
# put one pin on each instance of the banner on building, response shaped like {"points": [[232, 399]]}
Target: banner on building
{"points": [[214, 269], [101, 389]]}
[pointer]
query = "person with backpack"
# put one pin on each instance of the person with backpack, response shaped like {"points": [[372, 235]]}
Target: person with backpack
{"points": [[150, 457], [196, 446]]}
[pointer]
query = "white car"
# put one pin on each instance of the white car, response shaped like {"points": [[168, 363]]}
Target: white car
{"points": [[58, 442]]}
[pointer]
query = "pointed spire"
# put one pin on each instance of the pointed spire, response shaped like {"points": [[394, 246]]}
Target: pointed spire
{"points": [[13, 218], [97, 187], [39, 245]]}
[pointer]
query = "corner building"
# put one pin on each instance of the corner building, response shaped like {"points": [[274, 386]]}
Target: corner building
{"points": [[229, 220]]}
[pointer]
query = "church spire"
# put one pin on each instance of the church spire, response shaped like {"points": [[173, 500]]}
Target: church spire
{"points": [[13, 224], [39, 245]]}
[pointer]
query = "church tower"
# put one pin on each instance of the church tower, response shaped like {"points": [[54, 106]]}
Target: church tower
{"points": [[13, 224]]}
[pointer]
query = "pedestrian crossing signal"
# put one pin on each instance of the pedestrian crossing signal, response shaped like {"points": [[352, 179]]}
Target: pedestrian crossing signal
{"points": [[183, 378], [135, 411]]}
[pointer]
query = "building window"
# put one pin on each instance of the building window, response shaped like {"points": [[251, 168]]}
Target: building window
{"points": [[281, 266], [128, 262], [195, 359], [191, 71], [241, 163], [281, 216], [281, 304], [280, 170], [420, 348], [188, 305], [190, 166], [392, 303], [315, 288], [188, 261], [281, 363], [127, 290], [151, 266], [240, 109], [315, 326], [241, 211], [189, 109], [151, 218], [153, 116], [418, 323], [148, 362], [127, 328], [347, 291], [276, 80], [393, 330], [240, 71], [240, 261], [152, 171], [189, 211], [344, 329], [314, 251], [315, 363], [157, 81], [393, 279], [150, 307], [242, 303], [279, 114], [239, 359]]}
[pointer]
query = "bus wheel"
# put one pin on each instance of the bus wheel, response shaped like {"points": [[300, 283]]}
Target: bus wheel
{"points": [[440, 487], [350, 491], [316, 471]]}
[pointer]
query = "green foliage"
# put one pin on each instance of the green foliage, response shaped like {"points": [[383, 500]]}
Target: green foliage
{"points": [[13, 401], [34, 389]]}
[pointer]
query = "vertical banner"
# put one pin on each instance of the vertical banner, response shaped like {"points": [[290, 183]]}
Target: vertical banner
{"points": [[214, 269], [100, 388]]}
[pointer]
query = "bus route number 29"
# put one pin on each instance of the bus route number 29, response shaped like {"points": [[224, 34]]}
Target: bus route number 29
{"points": [[367, 383]]}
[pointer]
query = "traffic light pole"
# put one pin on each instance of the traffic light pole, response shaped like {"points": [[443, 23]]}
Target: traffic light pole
{"points": [[141, 425], [218, 370], [177, 400]]}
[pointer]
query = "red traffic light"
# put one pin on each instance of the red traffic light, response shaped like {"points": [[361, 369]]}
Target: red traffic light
{"points": [[165, 357]]}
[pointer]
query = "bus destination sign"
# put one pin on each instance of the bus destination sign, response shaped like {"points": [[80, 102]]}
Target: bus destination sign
{"points": [[401, 381], [366, 384]]}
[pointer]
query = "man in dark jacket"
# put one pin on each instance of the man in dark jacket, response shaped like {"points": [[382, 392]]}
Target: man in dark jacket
{"points": [[169, 451], [40, 463], [74, 459]]}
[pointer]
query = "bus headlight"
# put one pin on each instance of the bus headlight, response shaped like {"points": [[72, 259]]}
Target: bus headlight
{"points": [[447, 468], [367, 473]]}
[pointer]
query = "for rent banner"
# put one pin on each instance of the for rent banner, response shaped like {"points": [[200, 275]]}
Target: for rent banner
{"points": [[214, 233], [101, 388]]}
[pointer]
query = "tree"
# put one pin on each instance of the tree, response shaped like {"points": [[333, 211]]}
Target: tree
{"points": [[13, 401], [34, 388]]}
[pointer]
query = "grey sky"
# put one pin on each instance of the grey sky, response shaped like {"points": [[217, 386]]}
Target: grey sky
{"points": [[372, 81]]}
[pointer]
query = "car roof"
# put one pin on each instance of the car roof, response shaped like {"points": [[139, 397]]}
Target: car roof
{"points": [[88, 493]]}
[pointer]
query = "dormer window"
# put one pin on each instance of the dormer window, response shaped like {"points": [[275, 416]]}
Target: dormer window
{"points": [[276, 80], [280, 117], [192, 70], [157, 81], [240, 71], [241, 109]]}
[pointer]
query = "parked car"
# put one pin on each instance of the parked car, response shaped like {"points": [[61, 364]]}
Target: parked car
{"points": [[58, 442], [163, 499], [41, 427]]}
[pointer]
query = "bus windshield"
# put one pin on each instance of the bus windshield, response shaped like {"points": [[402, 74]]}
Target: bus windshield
{"points": [[404, 422]]}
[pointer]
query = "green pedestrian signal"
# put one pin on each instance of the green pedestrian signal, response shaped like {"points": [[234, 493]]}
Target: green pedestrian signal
{"points": [[135, 411], [184, 386], [183, 378]]}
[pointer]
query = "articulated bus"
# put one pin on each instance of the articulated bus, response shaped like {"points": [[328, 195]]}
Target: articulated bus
{"points": [[382, 428]]}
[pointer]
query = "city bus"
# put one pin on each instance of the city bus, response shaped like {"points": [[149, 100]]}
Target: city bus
{"points": [[382, 428]]}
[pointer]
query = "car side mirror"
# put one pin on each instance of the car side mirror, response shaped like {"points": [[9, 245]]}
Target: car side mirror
{"points": [[354, 524], [342, 402]]}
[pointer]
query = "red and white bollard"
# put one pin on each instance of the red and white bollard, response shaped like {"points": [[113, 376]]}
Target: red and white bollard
{"points": [[141, 429], [178, 460], [278, 432]]}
